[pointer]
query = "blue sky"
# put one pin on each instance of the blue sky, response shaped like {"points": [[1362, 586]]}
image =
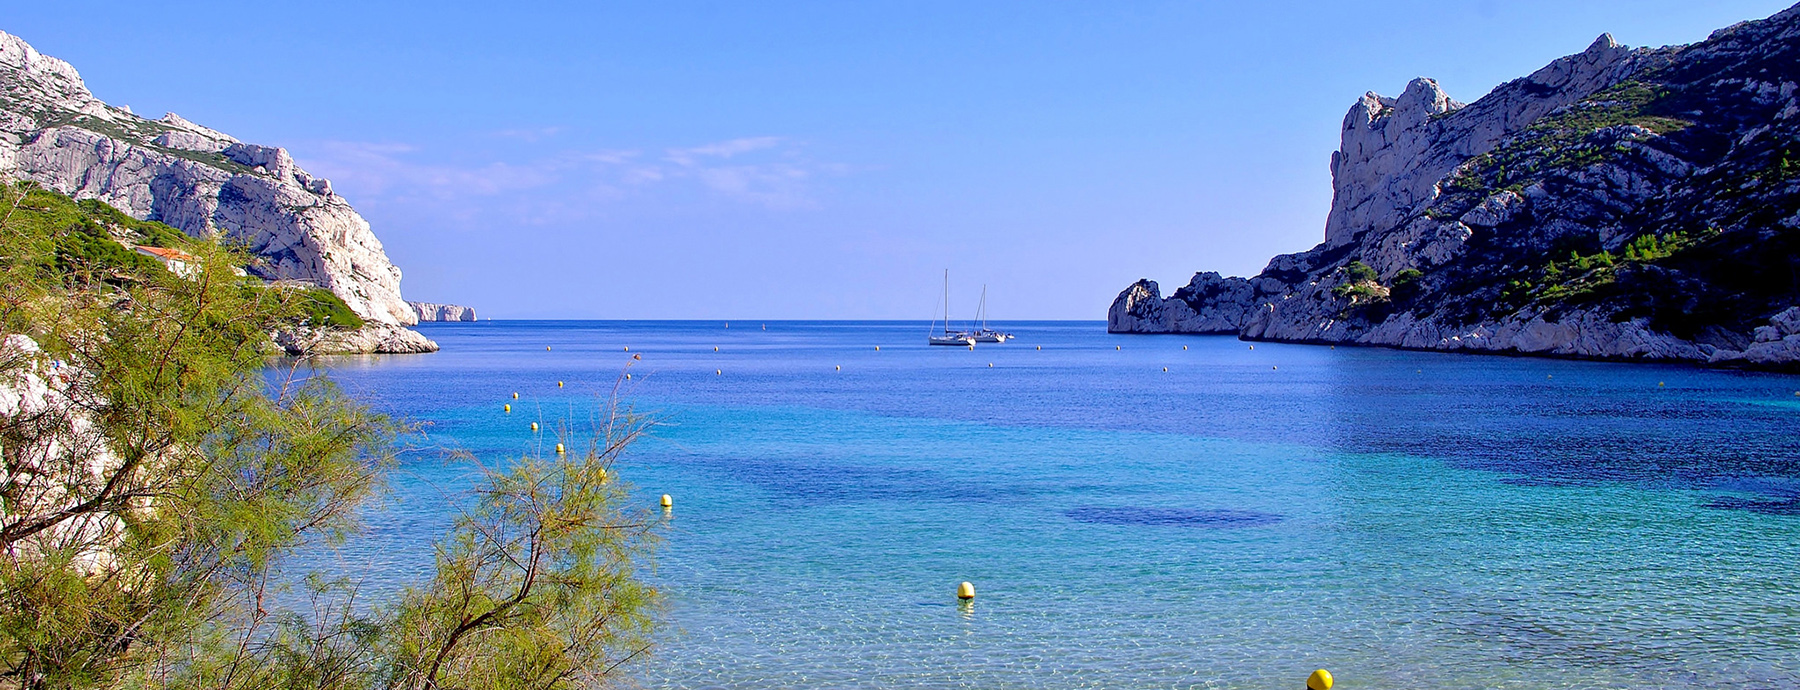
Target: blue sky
{"points": [[768, 160]]}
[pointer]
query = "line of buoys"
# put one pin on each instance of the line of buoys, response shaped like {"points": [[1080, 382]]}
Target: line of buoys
{"points": [[1319, 680], [559, 449], [509, 409], [965, 591], [667, 501], [534, 427]]}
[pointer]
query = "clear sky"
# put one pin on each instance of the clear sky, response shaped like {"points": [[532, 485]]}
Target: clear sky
{"points": [[767, 160]]}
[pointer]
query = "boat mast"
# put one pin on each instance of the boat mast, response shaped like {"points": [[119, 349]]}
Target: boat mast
{"points": [[946, 301]]}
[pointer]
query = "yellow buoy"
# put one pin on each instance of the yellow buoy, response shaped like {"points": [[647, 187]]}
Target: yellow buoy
{"points": [[1252, 347], [990, 365], [509, 409], [971, 347], [1273, 368], [1115, 347], [965, 591], [628, 377], [627, 348], [715, 348], [1165, 368], [1184, 348], [718, 372], [515, 395], [1319, 680], [667, 502], [1040, 347], [837, 368], [1659, 384], [877, 348], [559, 384], [534, 427], [559, 449], [546, 348]]}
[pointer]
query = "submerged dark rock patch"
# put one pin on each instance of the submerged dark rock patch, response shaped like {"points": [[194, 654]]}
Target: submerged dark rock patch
{"points": [[1212, 518]]}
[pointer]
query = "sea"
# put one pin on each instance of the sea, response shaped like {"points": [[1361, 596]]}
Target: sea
{"points": [[1139, 511]]}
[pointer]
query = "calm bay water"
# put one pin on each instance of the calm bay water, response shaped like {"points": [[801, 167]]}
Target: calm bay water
{"points": [[1403, 519]]}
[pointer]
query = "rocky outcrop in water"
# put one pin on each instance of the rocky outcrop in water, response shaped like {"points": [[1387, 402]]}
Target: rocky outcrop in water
{"points": [[429, 311], [371, 339], [1618, 203], [207, 184]]}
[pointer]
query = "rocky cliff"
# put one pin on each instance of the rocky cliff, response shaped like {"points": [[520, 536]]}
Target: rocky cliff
{"points": [[207, 184], [430, 311], [1618, 203]]}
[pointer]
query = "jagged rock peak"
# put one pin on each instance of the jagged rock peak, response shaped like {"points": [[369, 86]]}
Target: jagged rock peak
{"points": [[431, 311], [197, 179]]}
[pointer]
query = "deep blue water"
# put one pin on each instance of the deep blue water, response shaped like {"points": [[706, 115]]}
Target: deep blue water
{"points": [[1404, 519]]}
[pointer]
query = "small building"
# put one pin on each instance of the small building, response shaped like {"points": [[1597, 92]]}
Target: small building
{"points": [[178, 262]]}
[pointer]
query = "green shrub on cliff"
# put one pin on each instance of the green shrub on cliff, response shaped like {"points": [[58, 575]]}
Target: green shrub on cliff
{"points": [[164, 474]]}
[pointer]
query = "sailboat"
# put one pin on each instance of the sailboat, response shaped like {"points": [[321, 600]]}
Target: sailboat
{"points": [[948, 337], [985, 334]]}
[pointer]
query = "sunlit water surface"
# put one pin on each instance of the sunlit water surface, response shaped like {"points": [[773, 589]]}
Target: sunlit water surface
{"points": [[1251, 513]]}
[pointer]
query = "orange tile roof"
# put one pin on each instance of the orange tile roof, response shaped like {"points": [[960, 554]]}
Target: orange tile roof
{"points": [[167, 253]]}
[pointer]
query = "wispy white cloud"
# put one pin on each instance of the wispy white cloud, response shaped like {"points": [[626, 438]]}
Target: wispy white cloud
{"points": [[764, 171]]}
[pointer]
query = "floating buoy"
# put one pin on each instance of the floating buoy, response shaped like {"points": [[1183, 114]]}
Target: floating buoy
{"points": [[1319, 680], [1115, 347], [638, 357], [534, 427], [628, 377], [667, 502], [1659, 384], [718, 372], [1549, 376], [559, 384], [1252, 347], [877, 348], [965, 591], [509, 409], [971, 347], [715, 348], [1040, 347], [546, 348], [515, 395], [1165, 368], [1184, 348], [1273, 368], [627, 348], [1421, 371], [559, 449], [990, 365], [837, 368]]}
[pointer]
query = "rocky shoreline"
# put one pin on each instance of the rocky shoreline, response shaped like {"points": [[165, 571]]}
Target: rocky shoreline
{"points": [[1619, 204]]}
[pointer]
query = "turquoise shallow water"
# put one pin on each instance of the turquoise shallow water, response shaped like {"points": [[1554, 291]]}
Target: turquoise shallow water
{"points": [[1403, 519]]}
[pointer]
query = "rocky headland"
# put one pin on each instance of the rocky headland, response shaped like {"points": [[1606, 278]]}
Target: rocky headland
{"points": [[206, 184], [431, 311], [1619, 203]]}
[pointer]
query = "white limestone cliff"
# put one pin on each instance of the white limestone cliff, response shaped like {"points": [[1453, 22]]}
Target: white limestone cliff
{"points": [[203, 182], [431, 311]]}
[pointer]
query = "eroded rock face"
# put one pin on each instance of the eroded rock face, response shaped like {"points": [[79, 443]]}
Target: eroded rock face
{"points": [[54, 132], [372, 339], [429, 311], [1618, 203]]}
